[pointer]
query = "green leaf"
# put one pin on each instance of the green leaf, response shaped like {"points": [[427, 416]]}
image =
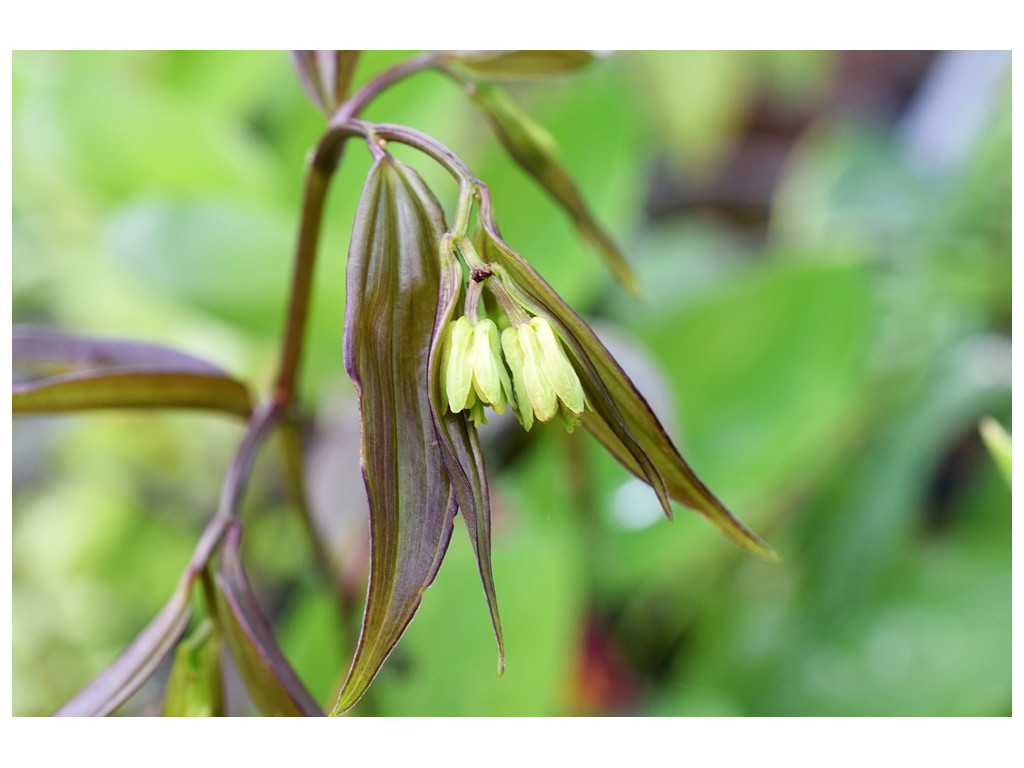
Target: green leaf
{"points": [[621, 418], [392, 294], [534, 149], [512, 65], [998, 442], [137, 663], [273, 684], [132, 389], [194, 688], [87, 374]]}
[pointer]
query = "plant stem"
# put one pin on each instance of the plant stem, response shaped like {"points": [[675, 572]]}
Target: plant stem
{"points": [[354, 105], [318, 176], [261, 426]]}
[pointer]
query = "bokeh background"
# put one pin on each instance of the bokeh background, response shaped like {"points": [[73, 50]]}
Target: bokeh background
{"points": [[824, 243]]}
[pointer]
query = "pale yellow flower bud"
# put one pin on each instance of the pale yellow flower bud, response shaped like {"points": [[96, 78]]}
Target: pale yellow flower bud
{"points": [[542, 394], [544, 380], [514, 359], [557, 368], [456, 365], [488, 369]]}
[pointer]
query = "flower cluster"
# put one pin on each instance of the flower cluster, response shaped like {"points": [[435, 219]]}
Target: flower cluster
{"points": [[523, 365]]}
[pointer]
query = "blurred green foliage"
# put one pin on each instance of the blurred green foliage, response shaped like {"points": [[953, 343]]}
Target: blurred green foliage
{"points": [[824, 374]]}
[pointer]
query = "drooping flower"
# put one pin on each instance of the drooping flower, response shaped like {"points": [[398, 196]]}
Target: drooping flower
{"points": [[544, 376], [472, 372]]}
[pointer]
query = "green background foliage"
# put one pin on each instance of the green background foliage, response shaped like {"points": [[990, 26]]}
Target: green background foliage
{"points": [[822, 362]]}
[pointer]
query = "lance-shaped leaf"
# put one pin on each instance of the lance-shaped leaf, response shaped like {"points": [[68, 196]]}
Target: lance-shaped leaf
{"points": [[273, 684], [326, 75], [389, 323], [194, 687], [621, 419], [460, 445], [534, 149], [69, 373], [513, 65], [115, 685]]}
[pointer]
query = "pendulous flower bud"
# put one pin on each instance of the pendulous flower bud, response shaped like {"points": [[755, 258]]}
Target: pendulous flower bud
{"points": [[514, 360], [541, 373], [472, 371], [457, 367], [557, 368], [490, 379]]}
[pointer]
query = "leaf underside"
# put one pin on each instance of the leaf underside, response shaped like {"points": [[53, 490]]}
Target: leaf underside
{"points": [[68, 373]]}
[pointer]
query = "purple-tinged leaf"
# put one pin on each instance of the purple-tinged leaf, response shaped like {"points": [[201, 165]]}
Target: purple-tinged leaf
{"points": [[391, 299], [514, 65], [68, 373], [115, 685], [461, 446], [326, 75], [534, 149], [45, 351], [273, 684], [619, 416], [195, 687]]}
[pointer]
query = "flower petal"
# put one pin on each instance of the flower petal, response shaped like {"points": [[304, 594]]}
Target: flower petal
{"points": [[458, 370], [557, 368], [486, 379], [514, 357], [542, 394]]}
